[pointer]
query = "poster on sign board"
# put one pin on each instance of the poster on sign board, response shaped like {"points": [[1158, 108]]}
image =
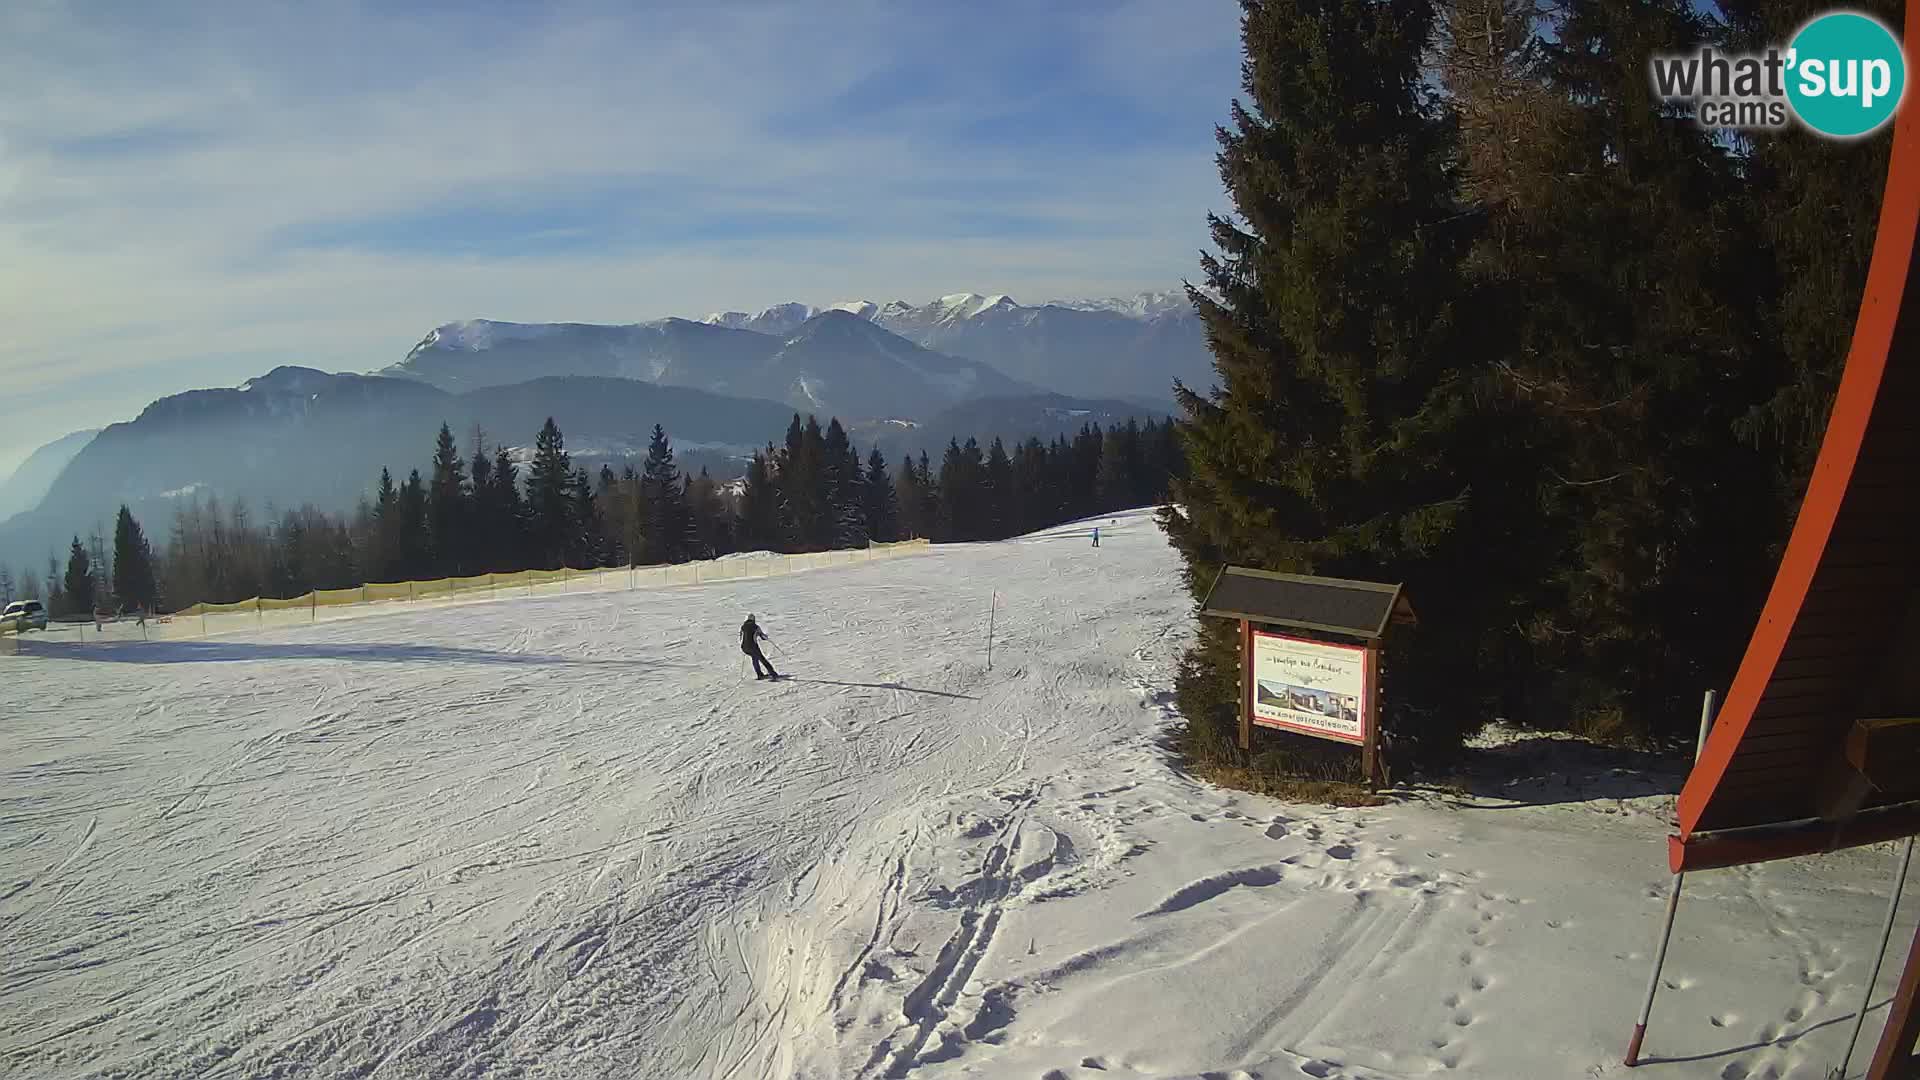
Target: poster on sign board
{"points": [[1310, 687]]}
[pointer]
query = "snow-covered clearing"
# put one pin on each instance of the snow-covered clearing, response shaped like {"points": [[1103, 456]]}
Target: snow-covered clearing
{"points": [[569, 837]]}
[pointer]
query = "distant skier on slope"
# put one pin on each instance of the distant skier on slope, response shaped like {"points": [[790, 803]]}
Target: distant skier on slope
{"points": [[750, 638]]}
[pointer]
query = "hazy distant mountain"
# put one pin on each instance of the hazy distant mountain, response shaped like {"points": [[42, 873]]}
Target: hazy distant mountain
{"points": [[838, 363], [674, 352], [1146, 305], [782, 319], [1115, 347], [297, 435], [965, 364], [831, 362], [23, 489]]}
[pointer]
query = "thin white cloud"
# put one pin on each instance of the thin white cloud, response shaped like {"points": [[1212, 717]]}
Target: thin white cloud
{"points": [[164, 176]]}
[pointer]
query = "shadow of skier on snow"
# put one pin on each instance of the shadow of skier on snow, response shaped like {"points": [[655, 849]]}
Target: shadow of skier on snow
{"points": [[879, 686]]}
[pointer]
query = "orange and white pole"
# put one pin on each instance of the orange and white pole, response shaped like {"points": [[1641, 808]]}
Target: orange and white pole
{"points": [[1666, 924]]}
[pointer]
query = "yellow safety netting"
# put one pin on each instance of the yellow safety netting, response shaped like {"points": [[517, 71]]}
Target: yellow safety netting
{"points": [[477, 583], [221, 609]]}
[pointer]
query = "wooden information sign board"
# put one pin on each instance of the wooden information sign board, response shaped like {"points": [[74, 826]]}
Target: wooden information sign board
{"points": [[1310, 652]]}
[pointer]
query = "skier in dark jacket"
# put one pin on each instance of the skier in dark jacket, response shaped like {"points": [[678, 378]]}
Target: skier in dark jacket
{"points": [[750, 638]]}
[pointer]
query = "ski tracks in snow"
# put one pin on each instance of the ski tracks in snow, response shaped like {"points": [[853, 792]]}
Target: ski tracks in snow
{"points": [[561, 852]]}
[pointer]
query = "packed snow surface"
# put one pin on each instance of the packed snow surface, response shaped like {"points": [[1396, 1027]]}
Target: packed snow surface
{"points": [[570, 837]]}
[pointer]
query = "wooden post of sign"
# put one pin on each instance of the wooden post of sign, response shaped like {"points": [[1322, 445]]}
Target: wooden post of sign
{"points": [[1370, 746], [1246, 685], [1893, 1060]]}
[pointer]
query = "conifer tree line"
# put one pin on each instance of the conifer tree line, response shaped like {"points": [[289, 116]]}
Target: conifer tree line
{"points": [[88, 581], [1492, 321], [481, 512]]}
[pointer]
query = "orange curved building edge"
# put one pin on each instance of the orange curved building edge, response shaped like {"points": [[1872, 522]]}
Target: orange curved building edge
{"points": [[1839, 638]]}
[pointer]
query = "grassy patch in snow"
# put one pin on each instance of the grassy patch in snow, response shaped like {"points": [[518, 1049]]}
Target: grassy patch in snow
{"points": [[1291, 788]]}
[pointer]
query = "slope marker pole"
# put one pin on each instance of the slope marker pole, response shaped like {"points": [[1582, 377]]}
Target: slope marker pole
{"points": [[992, 603], [1673, 908], [1886, 935]]}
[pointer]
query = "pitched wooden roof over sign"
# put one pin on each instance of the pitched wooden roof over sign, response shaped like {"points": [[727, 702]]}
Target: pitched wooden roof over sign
{"points": [[1360, 609]]}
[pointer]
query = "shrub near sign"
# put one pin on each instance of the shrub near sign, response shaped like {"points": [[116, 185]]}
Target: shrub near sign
{"points": [[1310, 687]]}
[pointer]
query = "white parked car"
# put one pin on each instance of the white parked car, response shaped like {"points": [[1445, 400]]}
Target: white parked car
{"points": [[24, 615]]}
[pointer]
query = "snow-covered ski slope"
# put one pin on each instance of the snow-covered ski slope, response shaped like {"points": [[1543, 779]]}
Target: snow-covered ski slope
{"points": [[572, 837]]}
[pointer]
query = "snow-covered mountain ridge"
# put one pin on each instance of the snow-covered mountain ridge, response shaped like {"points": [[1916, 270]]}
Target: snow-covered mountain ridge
{"points": [[952, 308]]}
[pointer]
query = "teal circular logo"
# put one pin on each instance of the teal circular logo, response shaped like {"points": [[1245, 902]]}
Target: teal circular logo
{"points": [[1846, 74]]}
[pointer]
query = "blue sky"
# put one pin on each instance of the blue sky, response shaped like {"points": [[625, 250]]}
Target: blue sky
{"points": [[192, 193]]}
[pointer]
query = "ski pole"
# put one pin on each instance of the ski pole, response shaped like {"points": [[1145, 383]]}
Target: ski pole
{"points": [[1886, 935]]}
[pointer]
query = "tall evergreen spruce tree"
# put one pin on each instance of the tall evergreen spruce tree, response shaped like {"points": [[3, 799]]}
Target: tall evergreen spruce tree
{"points": [[383, 562], [78, 591], [507, 514], [549, 501], [1638, 380], [907, 496], [1118, 479], [1083, 472], [482, 544], [960, 509], [842, 479], [415, 540], [712, 523], [606, 497], [879, 502], [666, 502], [927, 495], [1033, 506], [803, 478], [1333, 443], [448, 525], [133, 578], [1819, 203], [587, 547], [995, 479], [760, 506]]}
